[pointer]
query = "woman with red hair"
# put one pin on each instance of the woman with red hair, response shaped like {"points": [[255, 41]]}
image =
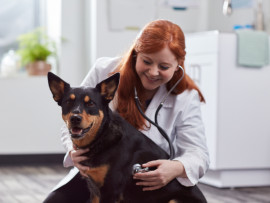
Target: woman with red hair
{"points": [[153, 65]]}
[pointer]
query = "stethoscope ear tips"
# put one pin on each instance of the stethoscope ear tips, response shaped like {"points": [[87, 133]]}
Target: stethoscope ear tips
{"points": [[181, 68]]}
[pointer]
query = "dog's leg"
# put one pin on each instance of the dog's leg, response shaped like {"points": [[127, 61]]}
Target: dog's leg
{"points": [[94, 191]]}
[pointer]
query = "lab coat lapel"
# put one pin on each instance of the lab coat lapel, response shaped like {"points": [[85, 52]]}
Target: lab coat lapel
{"points": [[157, 99]]}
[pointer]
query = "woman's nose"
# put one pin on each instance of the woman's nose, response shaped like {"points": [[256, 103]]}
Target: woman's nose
{"points": [[153, 71]]}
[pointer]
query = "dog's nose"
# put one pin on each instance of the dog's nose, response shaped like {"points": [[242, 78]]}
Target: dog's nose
{"points": [[75, 119]]}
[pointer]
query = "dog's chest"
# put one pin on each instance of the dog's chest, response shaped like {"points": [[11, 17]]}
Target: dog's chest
{"points": [[98, 174]]}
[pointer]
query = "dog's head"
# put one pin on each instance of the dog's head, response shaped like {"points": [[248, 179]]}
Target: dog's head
{"points": [[83, 108]]}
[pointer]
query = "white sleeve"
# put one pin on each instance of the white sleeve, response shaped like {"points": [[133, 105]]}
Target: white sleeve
{"points": [[97, 73], [191, 142], [67, 143]]}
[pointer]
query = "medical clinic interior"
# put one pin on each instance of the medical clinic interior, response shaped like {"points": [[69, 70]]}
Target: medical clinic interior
{"points": [[227, 56]]}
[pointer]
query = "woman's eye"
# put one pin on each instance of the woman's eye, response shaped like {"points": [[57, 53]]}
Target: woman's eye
{"points": [[164, 67], [146, 62]]}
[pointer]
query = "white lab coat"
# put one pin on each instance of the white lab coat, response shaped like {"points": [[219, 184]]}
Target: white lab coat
{"points": [[180, 117]]}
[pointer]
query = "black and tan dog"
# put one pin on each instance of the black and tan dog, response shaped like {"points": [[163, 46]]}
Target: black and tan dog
{"points": [[114, 146]]}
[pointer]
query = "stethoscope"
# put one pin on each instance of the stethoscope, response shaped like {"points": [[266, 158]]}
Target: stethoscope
{"points": [[136, 167]]}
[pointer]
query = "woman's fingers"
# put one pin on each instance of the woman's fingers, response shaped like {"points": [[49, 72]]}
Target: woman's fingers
{"points": [[148, 175], [83, 173], [79, 152], [147, 183], [82, 168], [77, 157], [80, 158], [154, 163], [148, 186], [166, 170], [145, 176], [152, 188]]}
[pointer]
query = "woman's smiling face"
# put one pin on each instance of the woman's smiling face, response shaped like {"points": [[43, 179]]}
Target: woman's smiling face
{"points": [[155, 69]]}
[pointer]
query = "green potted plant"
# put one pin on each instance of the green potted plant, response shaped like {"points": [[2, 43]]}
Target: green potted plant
{"points": [[34, 49]]}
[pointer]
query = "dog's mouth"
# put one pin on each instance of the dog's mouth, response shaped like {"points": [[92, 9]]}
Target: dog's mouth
{"points": [[77, 132]]}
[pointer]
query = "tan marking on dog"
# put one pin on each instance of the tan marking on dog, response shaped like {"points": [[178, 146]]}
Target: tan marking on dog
{"points": [[91, 134], [172, 201], [98, 174], [72, 96], [107, 89], [86, 99], [57, 90], [66, 119], [96, 199]]}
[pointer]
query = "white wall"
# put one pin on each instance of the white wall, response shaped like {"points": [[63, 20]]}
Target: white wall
{"points": [[107, 42], [73, 51], [240, 16], [30, 118], [208, 16], [85, 25]]}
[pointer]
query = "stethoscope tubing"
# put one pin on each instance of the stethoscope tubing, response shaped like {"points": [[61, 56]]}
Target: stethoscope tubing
{"points": [[162, 132]]}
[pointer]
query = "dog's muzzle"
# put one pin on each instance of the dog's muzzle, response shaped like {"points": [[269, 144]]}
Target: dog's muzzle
{"points": [[75, 119], [77, 132]]}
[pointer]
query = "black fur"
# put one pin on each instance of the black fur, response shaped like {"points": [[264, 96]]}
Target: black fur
{"points": [[119, 145]]}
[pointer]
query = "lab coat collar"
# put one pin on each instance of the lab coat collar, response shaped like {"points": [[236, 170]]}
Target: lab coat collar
{"points": [[159, 96], [156, 100]]}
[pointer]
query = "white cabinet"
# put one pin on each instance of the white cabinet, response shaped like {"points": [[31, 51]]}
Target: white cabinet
{"points": [[236, 113], [30, 120]]}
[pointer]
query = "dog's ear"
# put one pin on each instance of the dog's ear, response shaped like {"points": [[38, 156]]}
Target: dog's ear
{"points": [[58, 87], [108, 87]]}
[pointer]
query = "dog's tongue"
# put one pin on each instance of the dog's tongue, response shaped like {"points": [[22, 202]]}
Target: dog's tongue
{"points": [[76, 131]]}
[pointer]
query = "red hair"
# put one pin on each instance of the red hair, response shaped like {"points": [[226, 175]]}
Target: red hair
{"points": [[154, 37]]}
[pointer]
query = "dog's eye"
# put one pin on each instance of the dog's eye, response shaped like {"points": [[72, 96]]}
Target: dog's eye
{"points": [[90, 104], [68, 102]]}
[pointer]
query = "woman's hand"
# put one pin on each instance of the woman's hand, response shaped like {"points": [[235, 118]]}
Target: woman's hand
{"points": [[77, 157], [166, 171]]}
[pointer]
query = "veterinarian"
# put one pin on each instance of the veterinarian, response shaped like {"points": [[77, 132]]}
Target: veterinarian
{"points": [[152, 65]]}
